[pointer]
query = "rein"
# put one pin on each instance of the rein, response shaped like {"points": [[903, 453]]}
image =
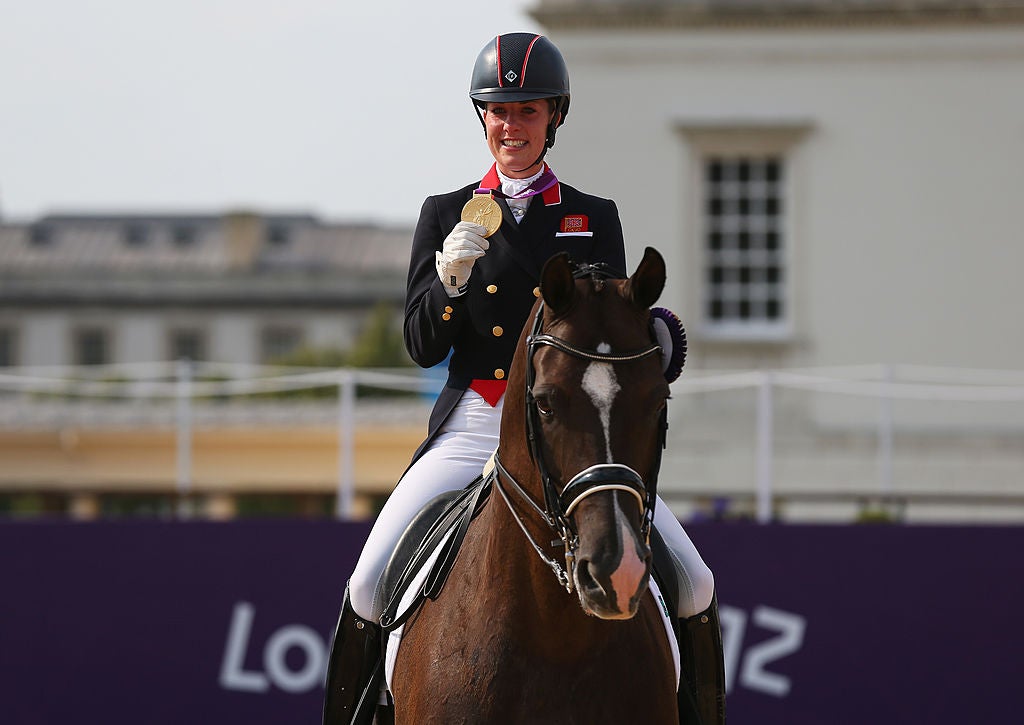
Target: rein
{"points": [[559, 505]]}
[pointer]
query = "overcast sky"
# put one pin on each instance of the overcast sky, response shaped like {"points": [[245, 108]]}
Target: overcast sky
{"points": [[351, 109]]}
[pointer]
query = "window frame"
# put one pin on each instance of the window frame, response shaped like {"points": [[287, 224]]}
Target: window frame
{"points": [[199, 331], [271, 328], [12, 335], [77, 334], [710, 140]]}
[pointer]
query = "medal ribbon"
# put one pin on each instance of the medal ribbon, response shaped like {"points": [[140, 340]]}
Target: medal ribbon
{"points": [[541, 184]]}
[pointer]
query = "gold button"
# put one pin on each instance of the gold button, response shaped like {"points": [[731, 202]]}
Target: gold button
{"points": [[448, 309], [492, 288], [536, 291], [499, 373], [498, 332], [446, 317]]}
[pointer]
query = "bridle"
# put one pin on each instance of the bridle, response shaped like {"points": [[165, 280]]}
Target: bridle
{"points": [[560, 504]]}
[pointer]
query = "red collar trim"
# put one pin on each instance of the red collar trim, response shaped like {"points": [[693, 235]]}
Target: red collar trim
{"points": [[551, 196], [491, 180]]}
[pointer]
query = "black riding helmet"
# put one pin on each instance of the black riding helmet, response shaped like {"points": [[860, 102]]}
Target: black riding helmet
{"points": [[517, 67]]}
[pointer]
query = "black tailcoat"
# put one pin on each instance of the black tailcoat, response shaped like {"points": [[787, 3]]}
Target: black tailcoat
{"points": [[482, 327]]}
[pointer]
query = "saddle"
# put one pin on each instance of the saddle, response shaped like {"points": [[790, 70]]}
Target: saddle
{"points": [[435, 533], [442, 523]]}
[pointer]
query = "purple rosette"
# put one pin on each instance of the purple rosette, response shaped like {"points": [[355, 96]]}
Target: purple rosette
{"points": [[671, 335]]}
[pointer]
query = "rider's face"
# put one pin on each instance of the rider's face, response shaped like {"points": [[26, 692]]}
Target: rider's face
{"points": [[515, 135]]}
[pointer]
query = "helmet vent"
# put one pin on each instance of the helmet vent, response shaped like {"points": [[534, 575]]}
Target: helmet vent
{"points": [[513, 51]]}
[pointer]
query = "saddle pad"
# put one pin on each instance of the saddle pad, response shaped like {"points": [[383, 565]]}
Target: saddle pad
{"points": [[409, 599], [395, 637]]}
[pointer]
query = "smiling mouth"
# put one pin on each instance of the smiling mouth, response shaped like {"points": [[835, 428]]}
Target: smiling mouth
{"points": [[513, 144]]}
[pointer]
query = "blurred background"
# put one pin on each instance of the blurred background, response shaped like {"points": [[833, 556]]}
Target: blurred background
{"points": [[205, 217]]}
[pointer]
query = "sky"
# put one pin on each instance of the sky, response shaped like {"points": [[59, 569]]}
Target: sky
{"points": [[353, 110]]}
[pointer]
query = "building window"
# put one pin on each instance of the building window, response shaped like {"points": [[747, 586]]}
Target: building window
{"points": [[8, 347], [135, 235], [744, 243], [92, 346], [40, 235], [187, 343], [278, 235], [279, 341], [744, 232], [183, 235]]}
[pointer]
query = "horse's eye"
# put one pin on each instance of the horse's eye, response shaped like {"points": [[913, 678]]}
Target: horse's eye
{"points": [[544, 407]]}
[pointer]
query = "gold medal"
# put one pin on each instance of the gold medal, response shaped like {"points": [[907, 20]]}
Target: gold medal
{"points": [[482, 209]]}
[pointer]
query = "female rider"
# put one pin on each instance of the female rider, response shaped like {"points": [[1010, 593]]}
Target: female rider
{"points": [[469, 294]]}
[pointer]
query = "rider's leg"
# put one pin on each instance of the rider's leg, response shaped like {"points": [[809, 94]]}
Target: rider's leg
{"points": [[700, 637], [456, 456], [696, 582], [354, 663]]}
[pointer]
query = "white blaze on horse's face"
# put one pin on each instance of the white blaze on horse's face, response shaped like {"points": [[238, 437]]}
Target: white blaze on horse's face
{"points": [[600, 384], [630, 573]]}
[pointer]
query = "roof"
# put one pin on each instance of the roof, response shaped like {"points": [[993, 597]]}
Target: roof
{"points": [[576, 14], [234, 258]]}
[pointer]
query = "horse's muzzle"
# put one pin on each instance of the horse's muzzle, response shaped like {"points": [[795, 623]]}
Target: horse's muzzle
{"points": [[614, 559]]}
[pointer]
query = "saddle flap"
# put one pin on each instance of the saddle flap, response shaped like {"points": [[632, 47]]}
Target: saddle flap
{"points": [[442, 522]]}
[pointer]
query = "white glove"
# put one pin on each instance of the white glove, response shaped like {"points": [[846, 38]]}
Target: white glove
{"points": [[460, 250]]}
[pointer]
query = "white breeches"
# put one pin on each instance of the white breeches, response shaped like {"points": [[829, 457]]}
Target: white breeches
{"points": [[456, 456]]}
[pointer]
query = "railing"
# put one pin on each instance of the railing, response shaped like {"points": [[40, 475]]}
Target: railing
{"points": [[999, 392]]}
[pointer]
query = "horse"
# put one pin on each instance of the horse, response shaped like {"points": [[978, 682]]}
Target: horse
{"points": [[582, 429]]}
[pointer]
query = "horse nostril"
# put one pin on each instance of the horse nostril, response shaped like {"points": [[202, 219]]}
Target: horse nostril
{"points": [[585, 578]]}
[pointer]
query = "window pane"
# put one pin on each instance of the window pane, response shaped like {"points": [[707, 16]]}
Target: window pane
{"points": [[135, 235], [91, 346], [8, 353], [188, 344], [279, 342], [183, 236], [744, 246]]}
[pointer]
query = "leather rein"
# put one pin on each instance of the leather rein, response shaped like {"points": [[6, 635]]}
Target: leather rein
{"points": [[560, 504]]}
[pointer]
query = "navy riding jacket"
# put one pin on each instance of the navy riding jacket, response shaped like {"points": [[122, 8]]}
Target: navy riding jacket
{"points": [[481, 328]]}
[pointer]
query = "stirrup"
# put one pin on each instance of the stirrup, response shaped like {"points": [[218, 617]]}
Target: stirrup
{"points": [[354, 670], [702, 687]]}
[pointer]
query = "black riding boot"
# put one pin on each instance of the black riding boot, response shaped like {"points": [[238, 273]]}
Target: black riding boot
{"points": [[702, 690], [353, 670]]}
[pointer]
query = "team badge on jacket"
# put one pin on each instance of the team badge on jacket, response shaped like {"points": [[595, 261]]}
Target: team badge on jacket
{"points": [[575, 224]]}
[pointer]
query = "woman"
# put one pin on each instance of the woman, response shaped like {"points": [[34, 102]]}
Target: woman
{"points": [[471, 287]]}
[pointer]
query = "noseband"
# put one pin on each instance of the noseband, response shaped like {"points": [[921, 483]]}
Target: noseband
{"points": [[560, 504]]}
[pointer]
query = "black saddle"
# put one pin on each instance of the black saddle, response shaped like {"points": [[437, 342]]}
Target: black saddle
{"points": [[449, 512]]}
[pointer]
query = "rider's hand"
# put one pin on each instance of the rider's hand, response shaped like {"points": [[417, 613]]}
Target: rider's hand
{"points": [[460, 250]]}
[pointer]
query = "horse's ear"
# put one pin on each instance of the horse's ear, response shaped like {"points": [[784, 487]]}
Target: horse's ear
{"points": [[557, 285], [647, 282]]}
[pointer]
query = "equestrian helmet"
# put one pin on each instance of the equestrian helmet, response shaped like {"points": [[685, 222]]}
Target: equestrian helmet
{"points": [[517, 67]]}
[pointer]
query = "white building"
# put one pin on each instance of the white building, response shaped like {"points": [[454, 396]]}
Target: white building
{"points": [[239, 287], [831, 183]]}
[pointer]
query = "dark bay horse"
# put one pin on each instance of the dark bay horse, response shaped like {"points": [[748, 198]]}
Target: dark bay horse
{"points": [[545, 617]]}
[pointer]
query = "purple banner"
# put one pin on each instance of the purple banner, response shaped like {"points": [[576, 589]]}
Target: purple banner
{"points": [[163, 623]]}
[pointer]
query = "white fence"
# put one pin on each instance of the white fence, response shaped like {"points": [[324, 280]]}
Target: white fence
{"points": [[813, 443]]}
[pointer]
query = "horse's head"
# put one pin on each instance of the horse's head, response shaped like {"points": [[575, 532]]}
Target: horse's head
{"points": [[595, 414]]}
